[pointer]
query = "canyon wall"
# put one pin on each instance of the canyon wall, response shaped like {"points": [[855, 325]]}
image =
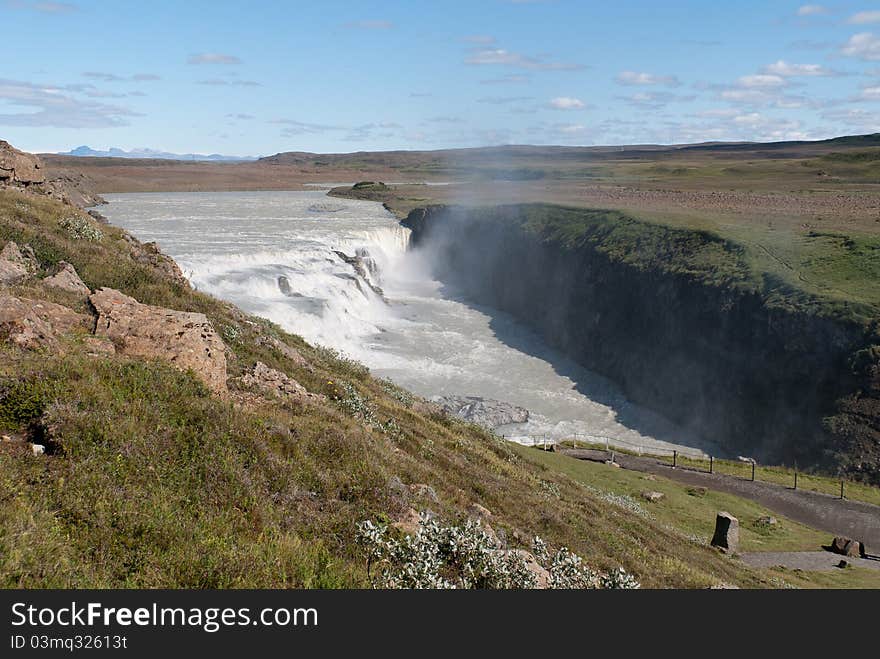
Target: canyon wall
{"points": [[677, 319]]}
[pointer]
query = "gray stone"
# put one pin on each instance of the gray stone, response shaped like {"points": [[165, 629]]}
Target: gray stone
{"points": [[22, 256], [67, 280], [275, 382], [847, 547], [726, 535], [424, 491], [484, 412]]}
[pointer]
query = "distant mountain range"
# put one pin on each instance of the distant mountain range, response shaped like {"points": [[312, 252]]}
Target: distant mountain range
{"points": [[88, 152]]}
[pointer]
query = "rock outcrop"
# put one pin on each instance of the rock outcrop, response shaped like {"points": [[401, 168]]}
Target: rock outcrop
{"points": [[277, 383], [185, 339], [149, 254], [285, 350], [22, 256], [18, 168], [67, 279], [484, 412], [36, 324], [25, 172]]}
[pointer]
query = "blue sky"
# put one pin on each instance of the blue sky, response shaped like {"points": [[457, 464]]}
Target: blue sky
{"points": [[255, 78]]}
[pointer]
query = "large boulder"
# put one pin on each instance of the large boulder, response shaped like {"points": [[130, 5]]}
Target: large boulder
{"points": [[36, 324], [18, 167], [67, 280], [185, 339], [847, 547], [726, 535]]}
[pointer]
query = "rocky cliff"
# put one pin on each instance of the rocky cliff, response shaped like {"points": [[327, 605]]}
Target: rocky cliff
{"points": [[25, 172], [676, 318]]}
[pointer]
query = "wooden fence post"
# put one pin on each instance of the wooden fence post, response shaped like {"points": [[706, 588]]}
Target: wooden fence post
{"points": [[711, 464], [753, 471], [674, 459], [795, 480], [841, 490]]}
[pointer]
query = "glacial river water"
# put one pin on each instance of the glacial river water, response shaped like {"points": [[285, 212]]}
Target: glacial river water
{"points": [[236, 245]]}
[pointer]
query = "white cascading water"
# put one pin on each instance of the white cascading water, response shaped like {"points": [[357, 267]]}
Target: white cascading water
{"points": [[274, 254]]}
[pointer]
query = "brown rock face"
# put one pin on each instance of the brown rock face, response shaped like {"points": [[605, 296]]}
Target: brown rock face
{"points": [[19, 167], [67, 279], [278, 383], [149, 254], [34, 324], [185, 339]]}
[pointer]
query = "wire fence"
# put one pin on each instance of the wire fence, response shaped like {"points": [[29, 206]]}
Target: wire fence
{"points": [[744, 468]]}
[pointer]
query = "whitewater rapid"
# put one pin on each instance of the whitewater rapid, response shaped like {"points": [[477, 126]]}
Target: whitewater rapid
{"points": [[236, 246]]}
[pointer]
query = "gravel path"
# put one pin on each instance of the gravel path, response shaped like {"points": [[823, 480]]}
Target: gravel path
{"points": [[813, 561], [854, 519]]}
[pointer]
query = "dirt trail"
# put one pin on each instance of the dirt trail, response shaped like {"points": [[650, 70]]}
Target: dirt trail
{"points": [[853, 519], [821, 561]]}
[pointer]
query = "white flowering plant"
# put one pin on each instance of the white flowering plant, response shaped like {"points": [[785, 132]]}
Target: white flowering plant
{"points": [[80, 228], [468, 556]]}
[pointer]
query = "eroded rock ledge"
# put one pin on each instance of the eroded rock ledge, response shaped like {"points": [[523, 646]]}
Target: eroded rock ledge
{"points": [[186, 339]]}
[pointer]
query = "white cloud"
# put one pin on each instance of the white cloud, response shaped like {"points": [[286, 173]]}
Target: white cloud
{"points": [[47, 105], [213, 58], [811, 10], [502, 57], [871, 93], [864, 17], [567, 103], [654, 100], [112, 77], [762, 81], [292, 127], [863, 45], [788, 70], [217, 82], [861, 121], [636, 78]]}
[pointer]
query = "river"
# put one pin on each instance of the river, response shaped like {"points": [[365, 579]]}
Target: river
{"points": [[236, 246]]}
